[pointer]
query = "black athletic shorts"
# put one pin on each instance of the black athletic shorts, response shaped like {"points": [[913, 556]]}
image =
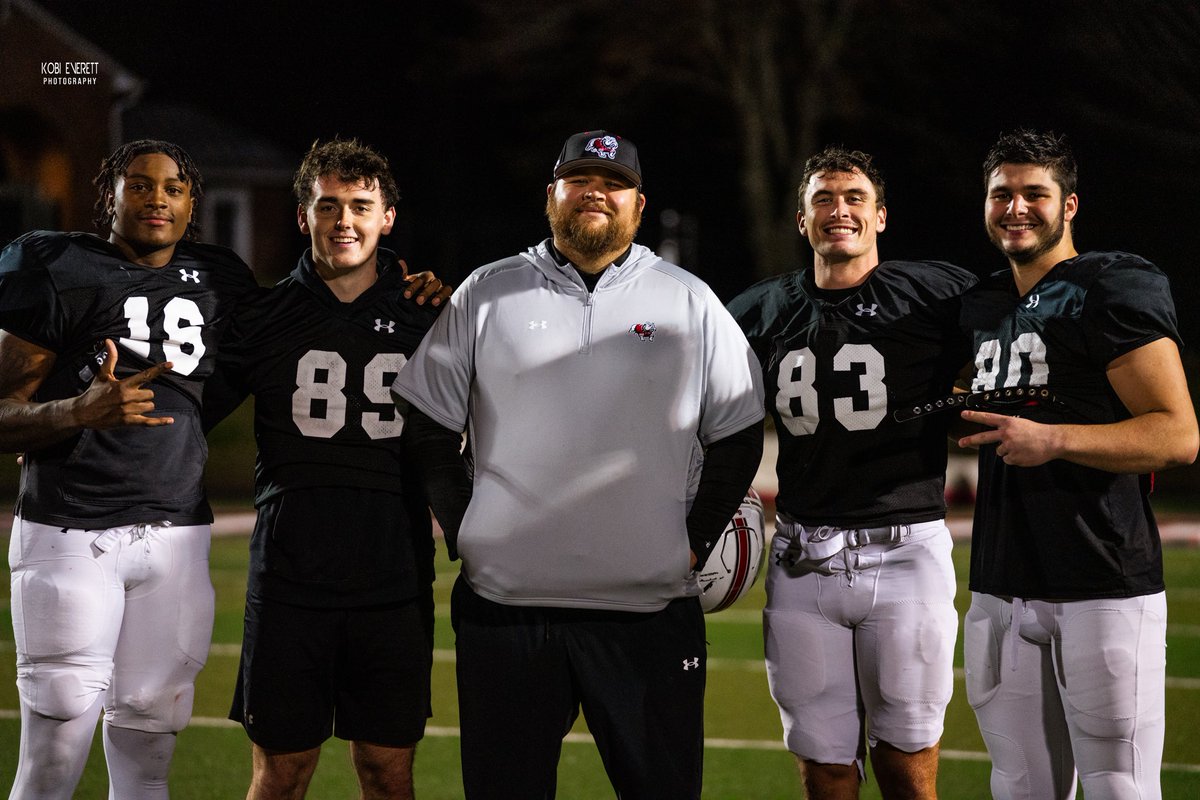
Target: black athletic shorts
{"points": [[525, 672], [304, 668]]}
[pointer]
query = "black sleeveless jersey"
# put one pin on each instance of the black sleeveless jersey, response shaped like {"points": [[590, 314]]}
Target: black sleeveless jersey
{"points": [[67, 292], [330, 479], [834, 372], [1064, 531]]}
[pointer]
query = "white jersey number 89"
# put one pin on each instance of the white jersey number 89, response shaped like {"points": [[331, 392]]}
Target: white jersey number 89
{"points": [[376, 387]]}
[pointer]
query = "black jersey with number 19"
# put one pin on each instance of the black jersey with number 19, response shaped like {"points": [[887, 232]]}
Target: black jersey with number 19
{"points": [[836, 366], [339, 509], [1062, 531], [68, 292]]}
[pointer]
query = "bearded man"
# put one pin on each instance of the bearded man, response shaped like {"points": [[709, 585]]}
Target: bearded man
{"points": [[1064, 644], [614, 410]]}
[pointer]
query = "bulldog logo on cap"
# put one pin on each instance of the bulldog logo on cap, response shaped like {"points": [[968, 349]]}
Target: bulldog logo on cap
{"points": [[603, 146], [598, 148]]}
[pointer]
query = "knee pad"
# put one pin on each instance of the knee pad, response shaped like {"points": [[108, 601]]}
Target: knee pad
{"points": [[60, 691], [164, 709]]}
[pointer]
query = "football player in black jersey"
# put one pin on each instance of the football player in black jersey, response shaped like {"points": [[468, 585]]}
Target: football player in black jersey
{"points": [[338, 630], [104, 348], [860, 622], [1065, 640]]}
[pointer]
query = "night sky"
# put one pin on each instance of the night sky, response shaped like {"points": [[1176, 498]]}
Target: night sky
{"points": [[472, 109], [472, 99]]}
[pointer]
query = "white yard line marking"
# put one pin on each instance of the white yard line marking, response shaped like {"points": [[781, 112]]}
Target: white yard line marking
{"points": [[448, 732]]}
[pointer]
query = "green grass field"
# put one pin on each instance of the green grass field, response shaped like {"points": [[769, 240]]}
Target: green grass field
{"points": [[744, 758]]}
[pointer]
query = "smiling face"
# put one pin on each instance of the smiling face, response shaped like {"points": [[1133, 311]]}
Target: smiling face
{"points": [[841, 218], [593, 212], [345, 222], [151, 205], [1026, 215]]}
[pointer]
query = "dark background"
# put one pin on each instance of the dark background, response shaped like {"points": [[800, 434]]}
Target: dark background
{"points": [[471, 101]]}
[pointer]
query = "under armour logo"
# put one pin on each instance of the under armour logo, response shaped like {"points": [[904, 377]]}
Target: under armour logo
{"points": [[537, 324], [864, 311], [691, 663], [1034, 299], [186, 276], [390, 326]]}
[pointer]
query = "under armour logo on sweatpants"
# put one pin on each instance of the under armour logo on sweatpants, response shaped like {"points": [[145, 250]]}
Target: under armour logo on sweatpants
{"points": [[390, 327], [186, 276], [691, 663]]}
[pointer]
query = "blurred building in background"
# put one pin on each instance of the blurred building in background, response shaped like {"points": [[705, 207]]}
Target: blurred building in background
{"points": [[65, 104]]}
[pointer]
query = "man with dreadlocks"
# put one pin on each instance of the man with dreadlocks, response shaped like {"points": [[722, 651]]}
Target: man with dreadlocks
{"points": [[103, 350]]}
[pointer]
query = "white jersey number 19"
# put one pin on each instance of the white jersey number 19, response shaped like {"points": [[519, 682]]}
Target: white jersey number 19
{"points": [[321, 375]]}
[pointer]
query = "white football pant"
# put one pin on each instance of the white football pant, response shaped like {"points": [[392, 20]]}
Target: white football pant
{"points": [[120, 618]]}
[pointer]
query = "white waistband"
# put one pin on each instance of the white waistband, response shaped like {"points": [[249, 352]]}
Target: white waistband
{"points": [[818, 542]]}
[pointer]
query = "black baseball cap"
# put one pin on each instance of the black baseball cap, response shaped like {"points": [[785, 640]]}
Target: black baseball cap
{"points": [[600, 149]]}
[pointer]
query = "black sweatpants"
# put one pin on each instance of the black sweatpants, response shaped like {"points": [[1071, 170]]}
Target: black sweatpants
{"points": [[524, 672]]}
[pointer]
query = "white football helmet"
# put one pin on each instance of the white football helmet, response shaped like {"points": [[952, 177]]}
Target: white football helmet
{"points": [[736, 558]]}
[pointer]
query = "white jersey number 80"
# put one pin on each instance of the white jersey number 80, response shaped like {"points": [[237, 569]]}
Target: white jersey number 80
{"points": [[797, 374], [376, 387], [1026, 349]]}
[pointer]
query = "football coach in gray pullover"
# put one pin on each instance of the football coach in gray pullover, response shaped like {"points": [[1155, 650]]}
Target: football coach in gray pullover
{"points": [[614, 416]]}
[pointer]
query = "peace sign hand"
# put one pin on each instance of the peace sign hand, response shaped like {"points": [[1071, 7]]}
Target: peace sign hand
{"points": [[1019, 442]]}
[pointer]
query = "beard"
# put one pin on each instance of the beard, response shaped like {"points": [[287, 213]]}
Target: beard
{"points": [[1047, 241], [592, 241]]}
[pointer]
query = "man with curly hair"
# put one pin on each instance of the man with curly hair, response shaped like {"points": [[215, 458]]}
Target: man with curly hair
{"points": [[339, 606], [104, 349]]}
